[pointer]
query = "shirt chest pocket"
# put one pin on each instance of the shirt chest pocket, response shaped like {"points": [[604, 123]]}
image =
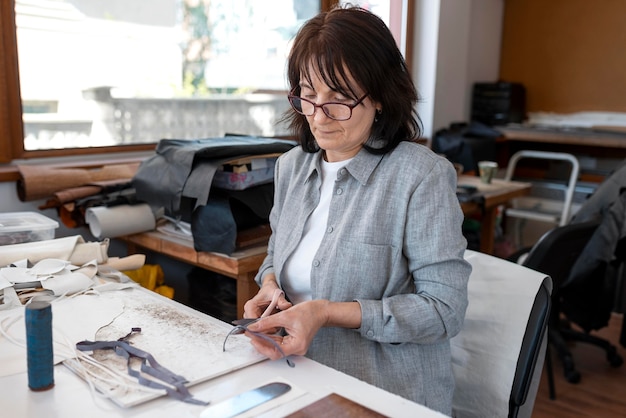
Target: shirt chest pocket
{"points": [[363, 267]]}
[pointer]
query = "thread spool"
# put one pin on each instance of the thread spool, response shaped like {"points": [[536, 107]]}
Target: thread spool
{"points": [[39, 354]]}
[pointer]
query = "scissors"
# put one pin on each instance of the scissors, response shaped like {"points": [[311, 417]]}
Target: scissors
{"points": [[244, 322], [241, 326]]}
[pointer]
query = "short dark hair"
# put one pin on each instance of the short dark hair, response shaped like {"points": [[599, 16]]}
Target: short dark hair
{"points": [[354, 39]]}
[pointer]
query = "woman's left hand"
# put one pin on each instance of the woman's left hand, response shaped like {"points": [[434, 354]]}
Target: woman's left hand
{"points": [[301, 322]]}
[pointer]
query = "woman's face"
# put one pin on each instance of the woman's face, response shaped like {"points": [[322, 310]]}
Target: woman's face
{"points": [[339, 139]]}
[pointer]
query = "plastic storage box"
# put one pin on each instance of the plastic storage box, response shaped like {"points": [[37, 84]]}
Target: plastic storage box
{"points": [[19, 227]]}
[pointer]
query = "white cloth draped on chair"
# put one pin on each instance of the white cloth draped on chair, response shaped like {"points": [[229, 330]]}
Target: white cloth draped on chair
{"points": [[485, 352]]}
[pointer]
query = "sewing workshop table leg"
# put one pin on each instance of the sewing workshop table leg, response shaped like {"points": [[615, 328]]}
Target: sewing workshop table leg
{"points": [[246, 289], [488, 230]]}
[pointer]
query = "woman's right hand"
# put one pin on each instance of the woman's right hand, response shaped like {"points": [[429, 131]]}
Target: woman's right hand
{"points": [[257, 305]]}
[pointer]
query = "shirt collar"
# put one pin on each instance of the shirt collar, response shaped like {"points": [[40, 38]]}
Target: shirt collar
{"points": [[361, 167]]}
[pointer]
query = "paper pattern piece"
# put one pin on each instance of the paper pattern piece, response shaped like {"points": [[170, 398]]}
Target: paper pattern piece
{"points": [[180, 339]]}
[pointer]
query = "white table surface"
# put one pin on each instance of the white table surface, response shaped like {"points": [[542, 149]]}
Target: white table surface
{"points": [[71, 396]]}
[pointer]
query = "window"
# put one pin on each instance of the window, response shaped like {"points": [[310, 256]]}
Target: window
{"points": [[395, 14], [97, 77]]}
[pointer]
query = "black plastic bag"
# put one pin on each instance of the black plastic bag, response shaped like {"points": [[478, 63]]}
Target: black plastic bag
{"points": [[467, 144]]}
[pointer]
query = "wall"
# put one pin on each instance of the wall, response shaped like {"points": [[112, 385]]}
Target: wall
{"points": [[570, 54], [456, 43]]}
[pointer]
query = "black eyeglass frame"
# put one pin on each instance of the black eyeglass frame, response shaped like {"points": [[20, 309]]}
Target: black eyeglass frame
{"points": [[291, 96]]}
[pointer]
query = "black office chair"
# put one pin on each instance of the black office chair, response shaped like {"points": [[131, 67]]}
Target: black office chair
{"points": [[590, 303], [554, 254]]}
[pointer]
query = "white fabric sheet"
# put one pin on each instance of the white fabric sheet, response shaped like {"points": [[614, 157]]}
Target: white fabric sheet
{"points": [[73, 249], [485, 352]]}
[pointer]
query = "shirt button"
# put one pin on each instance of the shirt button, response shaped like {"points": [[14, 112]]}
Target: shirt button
{"points": [[339, 190], [329, 229], [370, 333], [316, 263]]}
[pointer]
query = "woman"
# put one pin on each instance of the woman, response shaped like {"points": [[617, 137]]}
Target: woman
{"points": [[366, 227]]}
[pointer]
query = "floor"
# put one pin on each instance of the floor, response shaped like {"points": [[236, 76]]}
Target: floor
{"points": [[601, 392]]}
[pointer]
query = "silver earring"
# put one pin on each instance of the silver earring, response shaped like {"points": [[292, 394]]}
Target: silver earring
{"points": [[378, 113]]}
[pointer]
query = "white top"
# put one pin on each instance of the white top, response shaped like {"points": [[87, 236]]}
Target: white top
{"points": [[297, 278]]}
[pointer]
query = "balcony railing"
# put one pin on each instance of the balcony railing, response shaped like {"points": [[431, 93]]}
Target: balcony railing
{"points": [[122, 121]]}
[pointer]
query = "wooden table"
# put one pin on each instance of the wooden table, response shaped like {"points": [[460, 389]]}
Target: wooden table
{"points": [[499, 192], [242, 265], [607, 147], [603, 138]]}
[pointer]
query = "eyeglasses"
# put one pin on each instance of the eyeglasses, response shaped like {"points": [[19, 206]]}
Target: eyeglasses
{"points": [[334, 110]]}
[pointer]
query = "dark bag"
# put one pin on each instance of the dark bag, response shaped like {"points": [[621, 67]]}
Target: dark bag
{"points": [[178, 179], [214, 226], [467, 144], [185, 168]]}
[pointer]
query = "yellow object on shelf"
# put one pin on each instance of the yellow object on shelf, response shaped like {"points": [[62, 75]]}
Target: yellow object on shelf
{"points": [[151, 277]]}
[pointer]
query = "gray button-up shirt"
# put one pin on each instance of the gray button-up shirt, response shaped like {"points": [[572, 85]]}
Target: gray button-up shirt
{"points": [[394, 244]]}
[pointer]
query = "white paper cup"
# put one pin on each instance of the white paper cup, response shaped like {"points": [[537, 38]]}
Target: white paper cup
{"points": [[487, 170]]}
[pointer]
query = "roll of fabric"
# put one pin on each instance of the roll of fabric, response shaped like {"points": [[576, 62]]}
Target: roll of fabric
{"points": [[115, 221], [39, 182]]}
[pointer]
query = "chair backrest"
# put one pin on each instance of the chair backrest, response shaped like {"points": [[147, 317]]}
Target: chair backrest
{"points": [[590, 293], [604, 196], [498, 355], [558, 249], [534, 345]]}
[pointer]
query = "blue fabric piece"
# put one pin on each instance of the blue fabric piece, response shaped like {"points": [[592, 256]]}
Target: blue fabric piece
{"points": [[213, 227]]}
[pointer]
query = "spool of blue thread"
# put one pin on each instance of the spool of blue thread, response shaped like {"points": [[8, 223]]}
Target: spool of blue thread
{"points": [[39, 352]]}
